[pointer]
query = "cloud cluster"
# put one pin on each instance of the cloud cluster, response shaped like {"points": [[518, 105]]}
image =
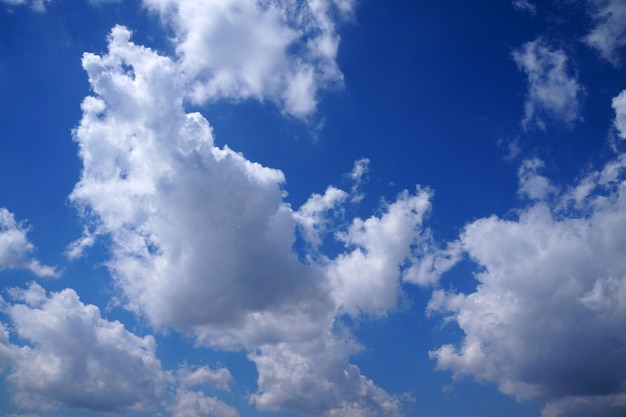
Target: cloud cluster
{"points": [[283, 51], [546, 318], [202, 241], [315, 378], [190, 403], [15, 247], [552, 89], [72, 357]]}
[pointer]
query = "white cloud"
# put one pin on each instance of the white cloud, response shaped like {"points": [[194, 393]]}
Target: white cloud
{"points": [[619, 105], [75, 358], [176, 206], [202, 241], [552, 89], [315, 378], [15, 247], [546, 319], [524, 6], [197, 404], [37, 5], [531, 183], [430, 262], [366, 279], [609, 34], [76, 249], [218, 378], [358, 176], [313, 216], [283, 51]]}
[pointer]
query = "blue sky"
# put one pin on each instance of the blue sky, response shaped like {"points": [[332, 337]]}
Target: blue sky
{"points": [[312, 208]]}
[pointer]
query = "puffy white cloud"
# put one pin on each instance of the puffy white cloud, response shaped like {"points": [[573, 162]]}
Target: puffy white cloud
{"points": [[283, 51], [429, 262], [315, 378], [75, 358], [609, 34], [15, 247], [546, 319], [366, 279], [201, 237], [313, 217], [552, 89], [202, 241]]}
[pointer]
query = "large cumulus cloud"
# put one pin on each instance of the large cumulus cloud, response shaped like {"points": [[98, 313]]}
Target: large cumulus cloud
{"points": [[202, 240], [546, 319]]}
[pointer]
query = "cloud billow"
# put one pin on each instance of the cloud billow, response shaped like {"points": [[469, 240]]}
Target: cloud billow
{"points": [[282, 51], [75, 358], [202, 241], [546, 319]]}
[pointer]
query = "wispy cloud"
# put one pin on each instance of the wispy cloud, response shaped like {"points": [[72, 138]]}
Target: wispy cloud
{"points": [[608, 36], [524, 6], [553, 89], [37, 5]]}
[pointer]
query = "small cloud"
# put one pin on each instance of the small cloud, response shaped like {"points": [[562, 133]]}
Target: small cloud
{"points": [[531, 183], [358, 176], [77, 248], [553, 91], [15, 248], [609, 34], [524, 6]]}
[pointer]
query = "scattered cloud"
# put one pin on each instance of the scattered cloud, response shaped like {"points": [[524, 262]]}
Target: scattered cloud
{"points": [[546, 319], [75, 358], [608, 36], [552, 89], [15, 247]]}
